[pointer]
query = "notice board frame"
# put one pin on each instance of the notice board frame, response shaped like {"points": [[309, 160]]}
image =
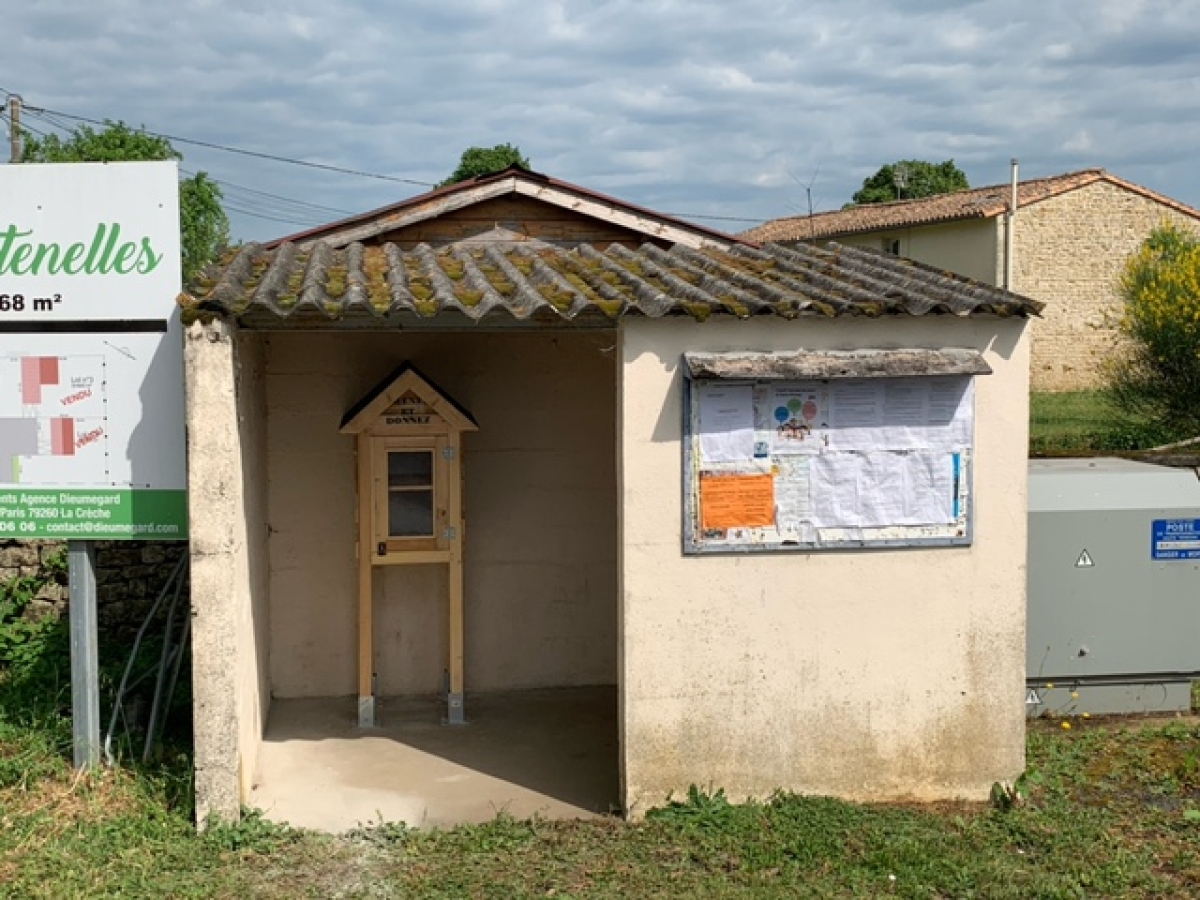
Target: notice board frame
{"points": [[764, 369]]}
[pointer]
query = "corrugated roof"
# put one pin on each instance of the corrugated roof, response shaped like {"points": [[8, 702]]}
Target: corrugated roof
{"points": [[503, 284], [976, 203]]}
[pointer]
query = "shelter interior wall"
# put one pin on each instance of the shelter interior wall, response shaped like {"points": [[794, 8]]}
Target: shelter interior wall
{"points": [[867, 674], [541, 520]]}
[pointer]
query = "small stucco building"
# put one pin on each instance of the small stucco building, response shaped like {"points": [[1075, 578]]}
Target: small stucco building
{"points": [[767, 504], [1073, 233]]}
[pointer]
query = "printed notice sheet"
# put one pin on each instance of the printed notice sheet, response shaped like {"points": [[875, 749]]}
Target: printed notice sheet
{"points": [[737, 501], [878, 490], [934, 413], [726, 422], [794, 415], [793, 494]]}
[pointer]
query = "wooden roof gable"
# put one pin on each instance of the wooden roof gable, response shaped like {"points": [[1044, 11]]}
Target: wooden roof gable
{"points": [[394, 397], [513, 182]]}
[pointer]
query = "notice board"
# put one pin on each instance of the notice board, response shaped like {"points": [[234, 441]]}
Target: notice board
{"points": [[802, 465]]}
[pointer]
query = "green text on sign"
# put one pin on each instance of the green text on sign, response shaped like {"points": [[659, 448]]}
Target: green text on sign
{"points": [[93, 514]]}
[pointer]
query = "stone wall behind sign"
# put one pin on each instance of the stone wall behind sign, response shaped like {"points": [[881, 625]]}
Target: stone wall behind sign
{"points": [[129, 575]]}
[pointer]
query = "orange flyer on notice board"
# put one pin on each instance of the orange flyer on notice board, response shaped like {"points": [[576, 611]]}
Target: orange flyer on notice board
{"points": [[737, 501]]}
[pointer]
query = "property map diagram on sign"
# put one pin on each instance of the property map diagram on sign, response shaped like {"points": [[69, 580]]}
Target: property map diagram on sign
{"points": [[53, 420]]}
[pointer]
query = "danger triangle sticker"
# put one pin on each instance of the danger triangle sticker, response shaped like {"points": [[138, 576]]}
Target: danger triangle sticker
{"points": [[1084, 561]]}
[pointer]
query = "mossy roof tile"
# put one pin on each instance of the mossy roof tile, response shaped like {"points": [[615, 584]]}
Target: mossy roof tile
{"points": [[580, 285]]}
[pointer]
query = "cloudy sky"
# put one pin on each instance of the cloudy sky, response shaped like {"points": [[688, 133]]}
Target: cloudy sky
{"points": [[727, 109]]}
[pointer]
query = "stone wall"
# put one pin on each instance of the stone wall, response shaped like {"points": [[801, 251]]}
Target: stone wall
{"points": [[129, 575], [1070, 250]]}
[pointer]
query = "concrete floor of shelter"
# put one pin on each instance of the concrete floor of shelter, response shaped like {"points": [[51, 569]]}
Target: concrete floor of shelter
{"points": [[550, 753]]}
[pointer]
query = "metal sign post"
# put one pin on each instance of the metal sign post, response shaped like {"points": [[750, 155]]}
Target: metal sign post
{"points": [[85, 668]]}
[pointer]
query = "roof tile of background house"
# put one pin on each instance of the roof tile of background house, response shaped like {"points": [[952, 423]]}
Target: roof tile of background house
{"points": [[385, 286], [976, 203]]}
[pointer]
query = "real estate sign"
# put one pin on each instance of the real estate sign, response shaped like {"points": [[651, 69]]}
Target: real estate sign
{"points": [[91, 352]]}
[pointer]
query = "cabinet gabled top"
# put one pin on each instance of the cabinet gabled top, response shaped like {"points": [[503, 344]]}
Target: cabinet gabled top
{"points": [[407, 401]]}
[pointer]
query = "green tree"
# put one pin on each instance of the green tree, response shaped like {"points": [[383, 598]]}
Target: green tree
{"points": [[910, 179], [1155, 374], [204, 227], [478, 161]]}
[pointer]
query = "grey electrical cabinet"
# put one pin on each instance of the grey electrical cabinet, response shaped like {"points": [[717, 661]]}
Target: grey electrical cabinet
{"points": [[1114, 587]]}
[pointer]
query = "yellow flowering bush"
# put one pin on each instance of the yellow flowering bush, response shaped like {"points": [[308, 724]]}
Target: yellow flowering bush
{"points": [[1157, 375]]}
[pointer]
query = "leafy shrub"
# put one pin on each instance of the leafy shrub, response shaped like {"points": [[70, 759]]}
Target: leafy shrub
{"points": [[35, 654], [1157, 375]]}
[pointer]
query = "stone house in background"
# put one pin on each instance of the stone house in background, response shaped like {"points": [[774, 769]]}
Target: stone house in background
{"points": [[571, 338], [1073, 234]]}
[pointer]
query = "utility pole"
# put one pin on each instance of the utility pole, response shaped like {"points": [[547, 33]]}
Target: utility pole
{"points": [[14, 127], [1010, 225], [900, 177]]}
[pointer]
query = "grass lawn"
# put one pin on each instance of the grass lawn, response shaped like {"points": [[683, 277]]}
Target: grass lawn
{"points": [[1113, 812], [1065, 421], [1084, 423]]}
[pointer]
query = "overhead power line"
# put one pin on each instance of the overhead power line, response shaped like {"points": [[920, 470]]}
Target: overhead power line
{"points": [[25, 126], [301, 211], [287, 210], [270, 207], [679, 215], [229, 206], [315, 207], [253, 153]]}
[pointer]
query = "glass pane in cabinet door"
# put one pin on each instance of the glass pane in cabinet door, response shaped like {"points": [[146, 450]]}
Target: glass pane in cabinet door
{"points": [[410, 468], [410, 513]]}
